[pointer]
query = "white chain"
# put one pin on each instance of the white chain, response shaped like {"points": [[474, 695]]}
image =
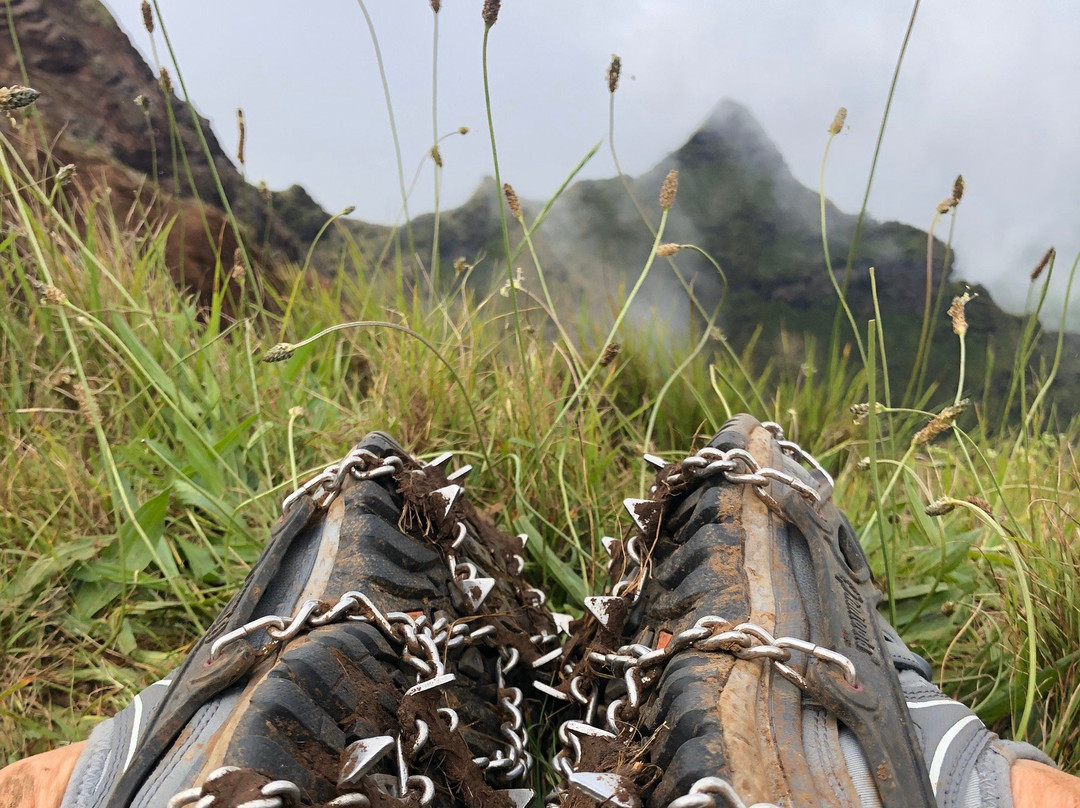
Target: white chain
{"points": [[704, 794], [360, 464], [640, 665]]}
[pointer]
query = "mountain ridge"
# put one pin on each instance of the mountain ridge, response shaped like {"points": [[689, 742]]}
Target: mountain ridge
{"points": [[738, 201]]}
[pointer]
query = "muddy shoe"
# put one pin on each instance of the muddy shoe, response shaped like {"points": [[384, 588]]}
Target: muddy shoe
{"points": [[371, 658], [741, 657]]}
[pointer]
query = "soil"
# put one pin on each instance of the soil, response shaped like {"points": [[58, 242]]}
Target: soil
{"points": [[236, 788], [466, 778]]}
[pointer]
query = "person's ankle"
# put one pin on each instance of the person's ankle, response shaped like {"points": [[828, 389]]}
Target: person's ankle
{"points": [[1036, 785], [39, 781]]}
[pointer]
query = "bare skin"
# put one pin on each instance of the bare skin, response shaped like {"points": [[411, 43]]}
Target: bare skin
{"points": [[39, 782]]}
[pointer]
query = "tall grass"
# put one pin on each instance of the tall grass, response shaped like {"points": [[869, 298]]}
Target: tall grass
{"points": [[146, 450]]}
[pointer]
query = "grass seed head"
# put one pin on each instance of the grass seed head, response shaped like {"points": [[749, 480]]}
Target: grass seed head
{"points": [[147, 17], [954, 198], [981, 504], [166, 80], [1044, 262], [460, 264], [463, 130], [613, 71], [436, 155], [142, 102], [958, 189], [666, 250], [939, 507], [238, 264], [611, 352], [958, 314], [436, 5], [280, 352], [66, 174], [491, 12], [939, 423], [515, 285], [16, 97], [837, 124], [512, 200], [860, 412], [242, 127], [84, 399], [51, 295], [669, 189]]}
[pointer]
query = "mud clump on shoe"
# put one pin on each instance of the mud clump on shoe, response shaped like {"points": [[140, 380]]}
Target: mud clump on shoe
{"points": [[236, 787]]}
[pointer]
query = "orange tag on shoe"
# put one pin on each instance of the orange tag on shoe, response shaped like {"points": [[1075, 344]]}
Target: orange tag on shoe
{"points": [[415, 615], [663, 640]]}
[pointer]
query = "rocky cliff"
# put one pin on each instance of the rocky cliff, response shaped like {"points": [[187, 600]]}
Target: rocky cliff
{"points": [[105, 110]]}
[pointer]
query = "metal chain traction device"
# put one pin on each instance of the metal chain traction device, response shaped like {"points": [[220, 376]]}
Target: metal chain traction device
{"points": [[423, 642], [640, 666]]}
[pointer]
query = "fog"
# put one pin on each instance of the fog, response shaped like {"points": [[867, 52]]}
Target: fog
{"points": [[987, 89]]}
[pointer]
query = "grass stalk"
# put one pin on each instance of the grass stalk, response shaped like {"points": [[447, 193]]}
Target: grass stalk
{"points": [[505, 230]]}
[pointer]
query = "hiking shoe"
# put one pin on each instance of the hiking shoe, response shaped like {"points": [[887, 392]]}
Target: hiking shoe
{"points": [[370, 658], [741, 657]]}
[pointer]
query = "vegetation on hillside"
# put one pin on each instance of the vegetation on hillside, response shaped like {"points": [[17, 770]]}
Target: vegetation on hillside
{"points": [[146, 447]]}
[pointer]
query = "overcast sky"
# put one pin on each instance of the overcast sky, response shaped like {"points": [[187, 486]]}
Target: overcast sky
{"points": [[988, 89]]}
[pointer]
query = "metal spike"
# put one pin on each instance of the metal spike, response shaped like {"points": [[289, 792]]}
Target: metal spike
{"points": [[610, 789], [581, 728], [402, 768], [361, 756], [441, 460], [430, 684], [610, 544], [521, 797], [550, 656], [460, 474], [653, 460], [550, 691], [475, 590], [605, 607], [631, 506], [450, 493], [562, 621]]}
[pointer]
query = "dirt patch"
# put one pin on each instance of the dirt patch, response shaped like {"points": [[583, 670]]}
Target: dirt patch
{"points": [[611, 755], [235, 788], [372, 696], [318, 758], [450, 749]]}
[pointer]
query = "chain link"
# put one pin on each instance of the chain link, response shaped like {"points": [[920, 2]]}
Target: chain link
{"points": [[706, 791], [275, 794], [360, 464], [740, 467], [640, 665]]}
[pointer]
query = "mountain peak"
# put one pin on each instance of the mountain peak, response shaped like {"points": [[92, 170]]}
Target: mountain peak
{"points": [[731, 132]]}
